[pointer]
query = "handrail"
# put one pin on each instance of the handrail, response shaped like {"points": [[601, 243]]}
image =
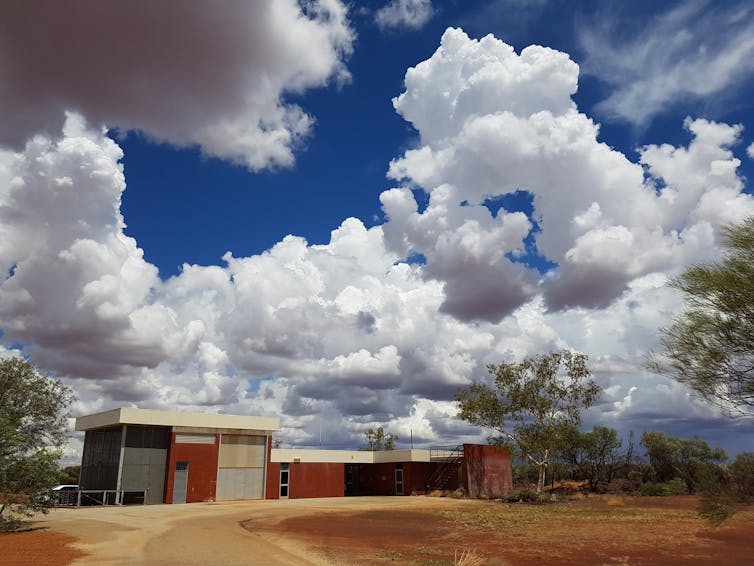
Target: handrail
{"points": [[447, 456], [97, 497], [445, 452]]}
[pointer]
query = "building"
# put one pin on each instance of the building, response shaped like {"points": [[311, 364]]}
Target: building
{"points": [[139, 455]]}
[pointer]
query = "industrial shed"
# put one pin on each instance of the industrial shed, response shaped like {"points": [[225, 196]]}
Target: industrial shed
{"points": [[137, 455], [172, 457]]}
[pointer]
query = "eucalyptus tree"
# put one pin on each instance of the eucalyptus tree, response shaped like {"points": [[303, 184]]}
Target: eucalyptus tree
{"points": [[533, 404], [33, 412]]}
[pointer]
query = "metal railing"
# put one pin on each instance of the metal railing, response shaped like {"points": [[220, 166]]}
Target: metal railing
{"points": [[448, 458], [445, 453], [87, 497]]}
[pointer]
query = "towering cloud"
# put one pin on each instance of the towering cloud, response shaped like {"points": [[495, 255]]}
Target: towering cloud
{"points": [[493, 122], [186, 73]]}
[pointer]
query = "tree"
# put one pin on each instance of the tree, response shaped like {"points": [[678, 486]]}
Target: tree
{"points": [[33, 413], [594, 454], [533, 404], [710, 347], [742, 476], [690, 459], [378, 440], [70, 475]]}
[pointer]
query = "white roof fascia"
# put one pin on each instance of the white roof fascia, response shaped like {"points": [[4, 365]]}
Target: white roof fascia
{"points": [[130, 415]]}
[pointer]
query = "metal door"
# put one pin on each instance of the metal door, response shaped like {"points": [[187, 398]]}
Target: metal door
{"points": [[180, 484]]}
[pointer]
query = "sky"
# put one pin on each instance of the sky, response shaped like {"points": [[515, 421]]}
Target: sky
{"points": [[340, 214]]}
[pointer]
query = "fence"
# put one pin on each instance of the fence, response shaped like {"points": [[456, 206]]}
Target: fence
{"points": [[86, 497]]}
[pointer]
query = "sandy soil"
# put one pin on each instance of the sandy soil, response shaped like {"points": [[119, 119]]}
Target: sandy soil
{"points": [[380, 530]]}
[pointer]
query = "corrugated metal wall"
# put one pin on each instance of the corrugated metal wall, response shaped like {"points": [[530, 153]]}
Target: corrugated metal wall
{"points": [[241, 467], [99, 463]]}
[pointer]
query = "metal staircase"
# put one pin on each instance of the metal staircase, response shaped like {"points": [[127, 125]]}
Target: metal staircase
{"points": [[448, 459]]}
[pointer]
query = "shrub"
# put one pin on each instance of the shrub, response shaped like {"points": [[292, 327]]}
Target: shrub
{"points": [[742, 476], [718, 507], [673, 487]]}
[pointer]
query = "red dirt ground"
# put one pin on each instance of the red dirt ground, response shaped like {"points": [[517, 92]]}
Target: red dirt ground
{"points": [[647, 531], [37, 547], [636, 531]]}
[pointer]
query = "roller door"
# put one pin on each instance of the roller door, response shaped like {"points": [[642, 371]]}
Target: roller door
{"points": [[241, 467]]}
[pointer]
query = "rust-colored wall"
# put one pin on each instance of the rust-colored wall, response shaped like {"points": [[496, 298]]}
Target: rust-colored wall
{"points": [[272, 481], [202, 472], [376, 479], [316, 480], [486, 470], [379, 479]]}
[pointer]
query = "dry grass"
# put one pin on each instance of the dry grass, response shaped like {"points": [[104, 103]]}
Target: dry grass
{"points": [[582, 525], [468, 557], [615, 501]]}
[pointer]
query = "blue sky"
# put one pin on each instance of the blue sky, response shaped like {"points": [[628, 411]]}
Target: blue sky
{"points": [[238, 128]]}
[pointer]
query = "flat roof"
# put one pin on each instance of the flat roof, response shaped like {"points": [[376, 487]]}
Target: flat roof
{"points": [[312, 455], [130, 415]]}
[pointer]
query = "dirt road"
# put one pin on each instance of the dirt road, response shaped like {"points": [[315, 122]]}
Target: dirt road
{"points": [[201, 533]]}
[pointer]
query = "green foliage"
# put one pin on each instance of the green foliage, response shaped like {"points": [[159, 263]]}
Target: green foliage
{"points": [[534, 403], [690, 459], [717, 507], [741, 473], [33, 412], [378, 440], [711, 346], [672, 487], [69, 475], [594, 455]]}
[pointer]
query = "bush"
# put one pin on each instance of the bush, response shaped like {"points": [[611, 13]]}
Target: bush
{"points": [[673, 487], [742, 476], [718, 507]]}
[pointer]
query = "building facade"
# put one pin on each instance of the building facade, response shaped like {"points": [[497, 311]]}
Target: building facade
{"points": [[138, 455]]}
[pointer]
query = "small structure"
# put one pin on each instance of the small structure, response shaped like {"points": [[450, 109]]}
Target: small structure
{"points": [[139, 455]]}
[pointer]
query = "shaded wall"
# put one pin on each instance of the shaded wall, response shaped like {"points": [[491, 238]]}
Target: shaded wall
{"points": [[486, 470], [375, 479], [272, 482], [417, 474], [101, 459], [202, 471], [145, 455]]}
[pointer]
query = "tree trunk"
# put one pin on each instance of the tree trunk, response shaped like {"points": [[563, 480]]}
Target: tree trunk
{"points": [[542, 471]]}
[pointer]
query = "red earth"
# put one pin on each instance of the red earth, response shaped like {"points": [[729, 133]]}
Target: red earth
{"points": [[595, 530]]}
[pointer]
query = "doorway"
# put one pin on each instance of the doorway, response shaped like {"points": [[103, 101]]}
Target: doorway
{"points": [[285, 479], [180, 483], [399, 479]]}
